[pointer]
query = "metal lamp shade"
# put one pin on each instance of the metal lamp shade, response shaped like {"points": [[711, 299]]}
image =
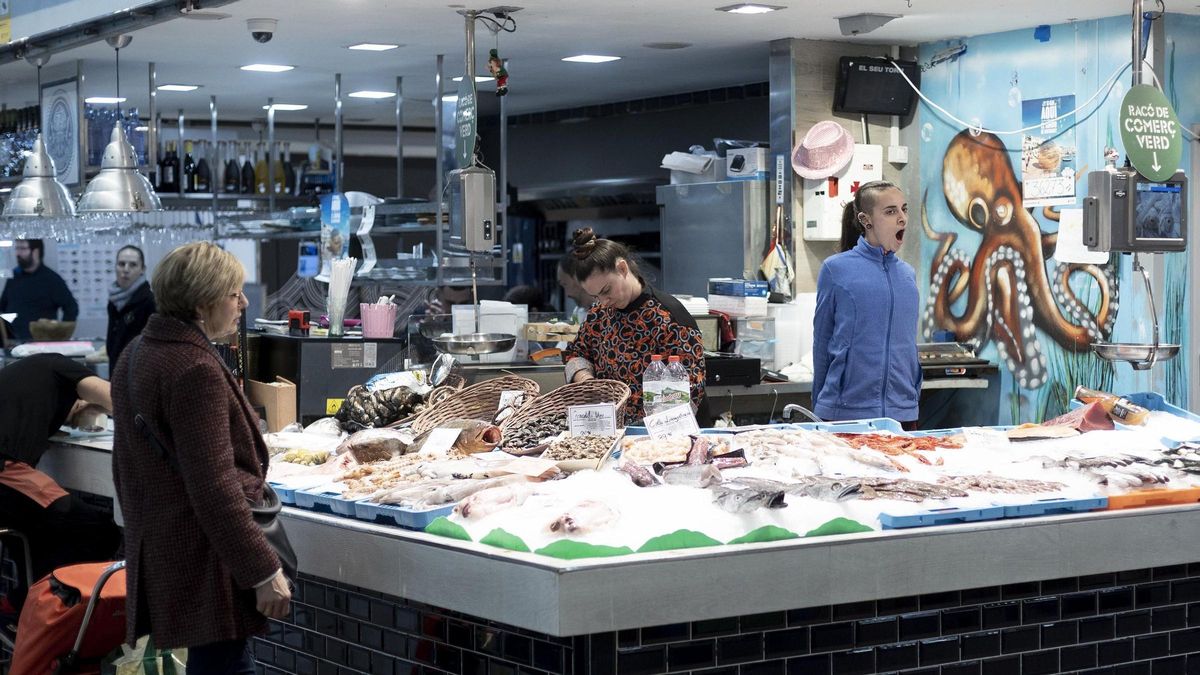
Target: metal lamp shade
{"points": [[119, 187], [39, 193]]}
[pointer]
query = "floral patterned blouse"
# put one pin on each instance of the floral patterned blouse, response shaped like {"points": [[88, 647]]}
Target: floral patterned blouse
{"points": [[616, 344]]}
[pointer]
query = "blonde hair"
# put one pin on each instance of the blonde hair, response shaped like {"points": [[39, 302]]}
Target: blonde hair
{"points": [[195, 275]]}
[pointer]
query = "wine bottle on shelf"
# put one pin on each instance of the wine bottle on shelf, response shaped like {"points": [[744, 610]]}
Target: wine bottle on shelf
{"points": [[289, 176], [170, 180], [260, 169], [1119, 409], [233, 173], [203, 180], [189, 168], [247, 172], [280, 177]]}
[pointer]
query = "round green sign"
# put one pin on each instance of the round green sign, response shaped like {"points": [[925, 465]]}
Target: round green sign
{"points": [[464, 121], [1150, 132]]}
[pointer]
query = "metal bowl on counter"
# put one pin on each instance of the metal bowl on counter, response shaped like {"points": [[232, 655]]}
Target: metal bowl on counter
{"points": [[1140, 356], [475, 343]]}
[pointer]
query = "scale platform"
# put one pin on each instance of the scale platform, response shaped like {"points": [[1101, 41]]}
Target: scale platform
{"points": [[949, 359]]}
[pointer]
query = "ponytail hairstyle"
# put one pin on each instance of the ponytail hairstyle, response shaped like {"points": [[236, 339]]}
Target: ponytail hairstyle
{"points": [[863, 202], [591, 255]]}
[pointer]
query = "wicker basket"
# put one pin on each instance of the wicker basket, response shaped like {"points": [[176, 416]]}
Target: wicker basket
{"points": [[479, 401], [556, 402]]}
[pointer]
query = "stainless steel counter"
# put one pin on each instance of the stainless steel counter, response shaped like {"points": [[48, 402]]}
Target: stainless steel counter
{"points": [[589, 596]]}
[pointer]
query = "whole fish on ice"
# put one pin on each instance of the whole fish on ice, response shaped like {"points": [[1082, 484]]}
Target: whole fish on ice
{"points": [[743, 495], [692, 475], [375, 445], [494, 499], [826, 489], [474, 436], [586, 516]]}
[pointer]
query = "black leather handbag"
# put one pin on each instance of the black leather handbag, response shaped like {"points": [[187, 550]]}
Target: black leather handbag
{"points": [[265, 511]]}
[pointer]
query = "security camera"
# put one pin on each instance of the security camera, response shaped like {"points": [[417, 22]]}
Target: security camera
{"points": [[262, 30]]}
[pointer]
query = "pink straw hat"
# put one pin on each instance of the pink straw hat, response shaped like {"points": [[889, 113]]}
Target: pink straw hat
{"points": [[826, 149]]}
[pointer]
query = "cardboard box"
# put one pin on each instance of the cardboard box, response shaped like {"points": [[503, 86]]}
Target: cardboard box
{"points": [[747, 164], [279, 400], [742, 288]]}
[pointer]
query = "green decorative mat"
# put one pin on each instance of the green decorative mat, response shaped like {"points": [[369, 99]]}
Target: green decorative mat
{"points": [[765, 533], [572, 550], [503, 539], [678, 539], [442, 526], [839, 526]]}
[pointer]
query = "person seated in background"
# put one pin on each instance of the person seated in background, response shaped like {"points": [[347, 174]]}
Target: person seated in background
{"points": [[530, 296], [130, 301], [35, 291], [38, 394], [446, 297]]}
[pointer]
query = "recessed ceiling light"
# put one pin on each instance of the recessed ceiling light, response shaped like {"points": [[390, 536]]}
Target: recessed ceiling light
{"points": [[478, 78], [178, 87], [288, 106], [667, 45], [104, 99], [267, 68], [749, 8], [591, 58], [449, 98], [372, 47], [142, 128], [371, 94]]}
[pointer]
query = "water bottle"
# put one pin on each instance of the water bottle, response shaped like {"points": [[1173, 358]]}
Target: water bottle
{"points": [[678, 389], [654, 380]]}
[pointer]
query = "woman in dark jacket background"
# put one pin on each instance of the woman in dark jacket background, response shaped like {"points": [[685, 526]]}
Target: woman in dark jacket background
{"points": [[200, 573], [130, 301]]}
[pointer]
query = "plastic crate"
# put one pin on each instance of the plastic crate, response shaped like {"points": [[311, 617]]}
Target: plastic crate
{"points": [[287, 496], [397, 515], [1163, 497], [325, 502], [1055, 505], [944, 516]]}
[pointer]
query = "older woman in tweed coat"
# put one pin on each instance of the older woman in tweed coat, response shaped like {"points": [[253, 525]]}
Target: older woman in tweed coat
{"points": [[200, 572]]}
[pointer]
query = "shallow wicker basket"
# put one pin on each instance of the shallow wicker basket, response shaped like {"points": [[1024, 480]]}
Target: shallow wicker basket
{"points": [[479, 401], [556, 402], [50, 329]]}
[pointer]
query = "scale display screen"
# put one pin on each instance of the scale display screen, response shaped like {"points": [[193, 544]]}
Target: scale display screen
{"points": [[1158, 211]]}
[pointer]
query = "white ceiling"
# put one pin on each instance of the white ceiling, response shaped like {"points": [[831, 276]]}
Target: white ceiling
{"points": [[728, 49]]}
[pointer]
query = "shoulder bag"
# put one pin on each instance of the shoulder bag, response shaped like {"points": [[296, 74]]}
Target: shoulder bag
{"points": [[265, 510]]}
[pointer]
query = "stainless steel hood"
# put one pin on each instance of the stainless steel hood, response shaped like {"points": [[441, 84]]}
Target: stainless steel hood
{"points": [[599, 198]]}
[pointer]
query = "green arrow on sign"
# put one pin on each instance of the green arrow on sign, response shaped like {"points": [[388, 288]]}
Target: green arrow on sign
{"points": [[1150, 132], [464, 122]]}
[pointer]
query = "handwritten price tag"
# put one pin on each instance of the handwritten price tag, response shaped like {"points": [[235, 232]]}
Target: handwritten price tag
{"points": [[597, 420], [678, 421]]}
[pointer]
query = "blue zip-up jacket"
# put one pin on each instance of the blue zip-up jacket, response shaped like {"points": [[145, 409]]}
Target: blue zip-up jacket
{"points": [[865, 337]]}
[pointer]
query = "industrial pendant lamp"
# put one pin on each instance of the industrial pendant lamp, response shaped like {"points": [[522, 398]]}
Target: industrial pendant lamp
{"points": [[39, 193], [119, 187]]}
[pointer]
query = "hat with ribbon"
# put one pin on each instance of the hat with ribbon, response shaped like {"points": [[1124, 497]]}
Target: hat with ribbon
{"points": [[826, 149]]}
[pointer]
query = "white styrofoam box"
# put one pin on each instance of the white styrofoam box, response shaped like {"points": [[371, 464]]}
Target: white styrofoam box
{"points": [[752, 165], [738, 306], [825, 199]]}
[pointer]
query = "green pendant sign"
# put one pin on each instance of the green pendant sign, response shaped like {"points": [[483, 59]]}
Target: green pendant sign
{"points": [[464, 122], [1150, 133]]}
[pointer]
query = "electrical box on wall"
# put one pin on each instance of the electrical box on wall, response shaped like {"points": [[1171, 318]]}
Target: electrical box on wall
{"points": [[823, 200]]}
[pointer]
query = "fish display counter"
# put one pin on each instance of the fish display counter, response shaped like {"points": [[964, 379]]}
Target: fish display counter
{"points": [[799, 548]]}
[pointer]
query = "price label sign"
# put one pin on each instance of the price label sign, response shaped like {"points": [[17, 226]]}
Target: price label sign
{"points": [[464, 123], [440, 440], [596, 420], [678, 421], [1150, 133]]}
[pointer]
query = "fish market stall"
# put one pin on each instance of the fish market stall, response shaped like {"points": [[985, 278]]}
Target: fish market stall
{"points": [[817, 548]]}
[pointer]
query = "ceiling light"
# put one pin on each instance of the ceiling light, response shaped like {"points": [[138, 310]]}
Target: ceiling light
{"points": [[104, 99], [478, 78], [39, 193], [287, 106], [371, 94], [267, 68], [372, 47], [449, 98], [591, 58], [866, 22], [142, 128], [749, 8], [178, 87], [667, 45]]}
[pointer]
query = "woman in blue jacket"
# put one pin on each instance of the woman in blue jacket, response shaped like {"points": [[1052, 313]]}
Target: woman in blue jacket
{"points": [[865, 328]]}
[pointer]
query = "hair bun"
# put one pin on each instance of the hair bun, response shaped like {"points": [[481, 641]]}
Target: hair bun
{"points": [[584, 240]]}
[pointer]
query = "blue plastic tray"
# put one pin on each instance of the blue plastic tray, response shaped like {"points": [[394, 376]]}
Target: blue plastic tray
{"points": [[855, 426], [396, 515], [954, 430], [1054, 505], [946, 516], [287, 496], [325, 502]]}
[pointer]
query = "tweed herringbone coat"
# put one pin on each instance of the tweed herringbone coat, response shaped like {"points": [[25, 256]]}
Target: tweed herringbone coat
{"points": [[193, 551]]}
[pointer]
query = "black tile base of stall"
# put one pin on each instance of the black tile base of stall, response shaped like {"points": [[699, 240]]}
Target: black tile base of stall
{"points": [[1142, 621]]}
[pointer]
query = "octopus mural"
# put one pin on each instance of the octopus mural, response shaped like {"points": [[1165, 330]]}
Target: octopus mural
{"points": [[1009, 290]]}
